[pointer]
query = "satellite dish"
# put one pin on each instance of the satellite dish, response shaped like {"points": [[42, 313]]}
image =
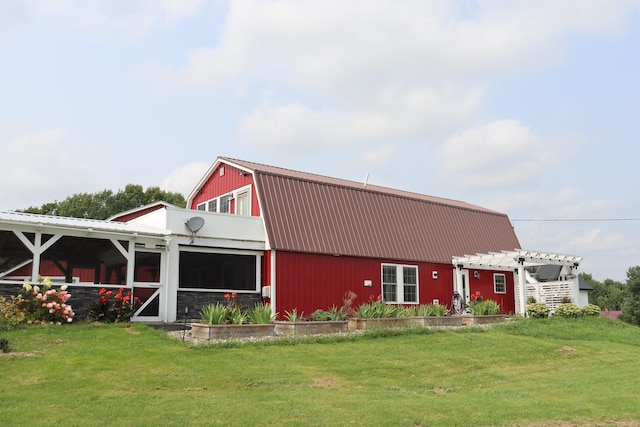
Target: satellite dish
{"points": [[193, 225]]}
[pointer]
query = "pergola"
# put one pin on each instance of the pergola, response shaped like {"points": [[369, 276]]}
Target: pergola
{"points": [[516, 261]]}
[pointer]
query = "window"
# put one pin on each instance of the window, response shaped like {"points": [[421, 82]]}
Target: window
{"points": [[217, 271], [400, 284], [224, 204], [212, 205], [202, 207], [242, 203], [499, 283]]}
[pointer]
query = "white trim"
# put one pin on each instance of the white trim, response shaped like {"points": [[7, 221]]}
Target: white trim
{"points": [[400, 283], [504, 277]]}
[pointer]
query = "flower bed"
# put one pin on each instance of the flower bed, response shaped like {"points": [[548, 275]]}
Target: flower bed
{"points": [[310, 328], [212, 332]]}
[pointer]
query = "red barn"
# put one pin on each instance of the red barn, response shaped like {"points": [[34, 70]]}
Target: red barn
{"points": [[327, 236]]}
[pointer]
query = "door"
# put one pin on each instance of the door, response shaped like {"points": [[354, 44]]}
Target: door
{"points": [[147, 286]]}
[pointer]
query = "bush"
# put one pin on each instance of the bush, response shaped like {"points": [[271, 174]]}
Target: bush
{"points": [[538, 310], [4, 345], [567, 310], [120, 308], [46, 304], [590, 310], [260, 314], [10, 313], [377, 308], [437, 310]]}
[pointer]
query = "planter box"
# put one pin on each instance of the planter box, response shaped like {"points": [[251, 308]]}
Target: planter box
{"points": [[387, 322], [443, 321], [483, 320], [310, 328], [215, 332]]}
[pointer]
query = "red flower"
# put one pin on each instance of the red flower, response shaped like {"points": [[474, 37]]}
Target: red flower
{"points": [[121, 290], [109, 293], [233, 295], [104, 299], [102, 291], [227, 297], [118, 296]]}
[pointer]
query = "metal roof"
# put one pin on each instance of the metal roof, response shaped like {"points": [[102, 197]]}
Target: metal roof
{"points": [[315, 214], [77, 223]]}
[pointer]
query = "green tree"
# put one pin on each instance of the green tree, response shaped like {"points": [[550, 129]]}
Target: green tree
{"points": [[631, 305], [106, 203], [607, 295]]}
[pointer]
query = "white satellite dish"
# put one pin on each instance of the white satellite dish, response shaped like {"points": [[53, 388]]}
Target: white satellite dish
{"points": [[193, 225]]}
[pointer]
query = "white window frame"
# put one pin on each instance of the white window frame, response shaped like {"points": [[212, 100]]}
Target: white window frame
{"points": [[400, 284], [233, 195], [495, 283]]}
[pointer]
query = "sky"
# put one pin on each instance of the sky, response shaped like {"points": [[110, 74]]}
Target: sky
{"points": [[529, 108]]}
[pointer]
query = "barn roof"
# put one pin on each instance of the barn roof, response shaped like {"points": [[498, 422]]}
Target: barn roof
{"points": [[311, 213]]}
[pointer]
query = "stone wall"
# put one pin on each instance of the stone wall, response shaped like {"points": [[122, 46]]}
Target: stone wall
{"points": [[196, 300], [82, 297]]}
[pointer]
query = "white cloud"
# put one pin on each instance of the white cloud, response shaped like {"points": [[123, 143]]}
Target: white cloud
{"points": [[499, 154], [48, 165], [184, 179], [393, 44]]}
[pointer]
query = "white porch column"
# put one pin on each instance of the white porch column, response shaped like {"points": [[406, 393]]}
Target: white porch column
{"points": [[171, 279], [457, 286], [522, 288]]}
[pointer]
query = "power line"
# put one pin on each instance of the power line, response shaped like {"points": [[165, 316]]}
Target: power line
{"points": [[576, 220]]}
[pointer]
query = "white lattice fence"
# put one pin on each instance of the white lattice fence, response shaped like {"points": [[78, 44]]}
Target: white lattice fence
{"points": [[551, 293]]}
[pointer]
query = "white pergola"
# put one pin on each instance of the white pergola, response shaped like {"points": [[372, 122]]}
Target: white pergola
{"points": [[516, 261]]}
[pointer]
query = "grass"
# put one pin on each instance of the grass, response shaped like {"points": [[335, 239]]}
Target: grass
{"points": [[555, 372]]}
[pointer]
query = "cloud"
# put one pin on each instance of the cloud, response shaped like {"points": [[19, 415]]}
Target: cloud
{"points": [[49, 165], [410, 43], [391, 116], [497, 155], [184, 179]]}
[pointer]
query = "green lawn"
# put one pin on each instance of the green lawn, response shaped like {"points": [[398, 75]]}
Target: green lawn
{"points": [[527, 373]]}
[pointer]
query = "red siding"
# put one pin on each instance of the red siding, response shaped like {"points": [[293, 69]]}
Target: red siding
{"points": [[133, 215], [484, 284], [309, 281], [232, 179]]}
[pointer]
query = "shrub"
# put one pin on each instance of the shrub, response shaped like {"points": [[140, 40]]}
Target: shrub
{"points": [[261, 314], [590, 310], [10, 313], [567, 310], [377, 308], [319, 316], [478, 306], [114, 306], [538, 310], [437, 310], [45, 304], [293, 316], [214, 314]]}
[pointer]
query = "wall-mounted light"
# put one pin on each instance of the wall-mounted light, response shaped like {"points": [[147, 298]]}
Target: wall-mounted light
{"points": [[476, 274], [434, 274]]}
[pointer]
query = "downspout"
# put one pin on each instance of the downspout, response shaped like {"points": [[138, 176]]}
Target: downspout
{"points": [[272, 280]]}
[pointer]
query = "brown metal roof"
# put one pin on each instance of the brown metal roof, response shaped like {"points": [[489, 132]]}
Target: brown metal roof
{"points": [[311, 213]]}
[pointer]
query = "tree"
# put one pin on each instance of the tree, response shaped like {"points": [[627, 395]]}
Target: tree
{"points": [[631, 305], [608, 295], [106, 203]]}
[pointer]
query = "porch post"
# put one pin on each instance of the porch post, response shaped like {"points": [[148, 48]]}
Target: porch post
{"points": [[457, 286], [522, 309]]}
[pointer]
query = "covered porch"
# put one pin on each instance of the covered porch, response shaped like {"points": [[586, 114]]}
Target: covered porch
{"points": [[522, 263]]}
